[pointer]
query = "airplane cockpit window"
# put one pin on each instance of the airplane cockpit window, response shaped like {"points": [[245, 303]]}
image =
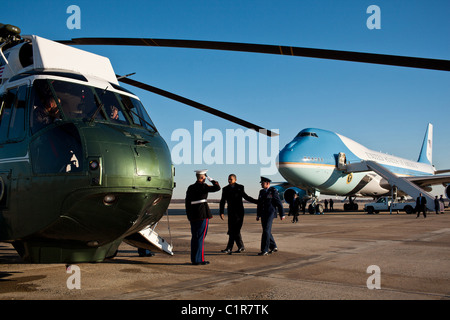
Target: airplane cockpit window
{"points": [[307, 134]]}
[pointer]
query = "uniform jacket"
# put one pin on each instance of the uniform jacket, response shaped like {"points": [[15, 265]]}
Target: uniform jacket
{"points": [[233, 195], [268, 203], [195, 192]]}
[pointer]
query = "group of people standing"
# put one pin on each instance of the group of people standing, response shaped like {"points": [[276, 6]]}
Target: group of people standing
{"points": [[421, 205], [198, 213]]}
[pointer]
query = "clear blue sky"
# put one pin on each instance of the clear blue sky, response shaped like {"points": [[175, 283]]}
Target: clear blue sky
{"points": [[384, 108]]}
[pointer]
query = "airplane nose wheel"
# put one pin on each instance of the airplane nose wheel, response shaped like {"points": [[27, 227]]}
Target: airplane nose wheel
{"points": [[315, 209]]}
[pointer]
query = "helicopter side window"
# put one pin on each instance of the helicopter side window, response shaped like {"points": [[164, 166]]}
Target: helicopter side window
{"points": [[137, 113], [12, 114], [17, 123], [5, 113]]}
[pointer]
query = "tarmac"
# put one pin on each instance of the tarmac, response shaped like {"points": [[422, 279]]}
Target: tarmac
{"points": [[335, 256]]}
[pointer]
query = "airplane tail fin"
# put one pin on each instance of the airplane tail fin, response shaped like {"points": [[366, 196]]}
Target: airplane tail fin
{"points": [[426, 153]]}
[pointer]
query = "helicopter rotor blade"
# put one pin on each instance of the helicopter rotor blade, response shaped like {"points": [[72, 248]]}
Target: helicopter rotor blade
{"points": [[392, 60], [196, 105]]}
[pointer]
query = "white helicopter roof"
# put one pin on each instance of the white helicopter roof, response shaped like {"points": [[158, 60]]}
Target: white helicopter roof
{"points": [[52, 55]]}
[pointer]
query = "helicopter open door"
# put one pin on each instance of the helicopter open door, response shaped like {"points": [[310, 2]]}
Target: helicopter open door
{"points": [[149, 239]]}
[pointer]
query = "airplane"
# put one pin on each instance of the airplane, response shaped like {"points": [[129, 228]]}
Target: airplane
{"points": [[323, 162], [82, 166]]}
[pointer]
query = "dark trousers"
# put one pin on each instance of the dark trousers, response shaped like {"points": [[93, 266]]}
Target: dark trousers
{"points": [[235, 237], [199, 229], [422, 209], [234, 232], [267, 240]]}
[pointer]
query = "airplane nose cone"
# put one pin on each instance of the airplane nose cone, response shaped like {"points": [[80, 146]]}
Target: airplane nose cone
{"points": [[287, 154]]}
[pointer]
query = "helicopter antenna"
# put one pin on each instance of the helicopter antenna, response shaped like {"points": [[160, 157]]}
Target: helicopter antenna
{"points": [[125, 76]]}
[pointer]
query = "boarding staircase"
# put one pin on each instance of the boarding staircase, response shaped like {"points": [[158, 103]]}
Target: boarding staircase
{"points": [[401, 183]]}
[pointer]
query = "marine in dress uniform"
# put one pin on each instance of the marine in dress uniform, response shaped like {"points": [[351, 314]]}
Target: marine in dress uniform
{"points": [[198, 214], [232, 194], [269, 203]]}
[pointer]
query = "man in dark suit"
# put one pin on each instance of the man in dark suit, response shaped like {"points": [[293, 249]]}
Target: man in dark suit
{"points": [[421, 205], [198, 214], [232, 194], [268, 204]]}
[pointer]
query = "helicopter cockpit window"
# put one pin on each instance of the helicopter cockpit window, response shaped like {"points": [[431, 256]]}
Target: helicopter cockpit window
{"points": [[45, 109], [78, 101], [137, 113], [112, 106]]}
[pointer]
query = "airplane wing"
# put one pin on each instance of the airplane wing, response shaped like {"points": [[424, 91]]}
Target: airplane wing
{"points": [[430, 180]]}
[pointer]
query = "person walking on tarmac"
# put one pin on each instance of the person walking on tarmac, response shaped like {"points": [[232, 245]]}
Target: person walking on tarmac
{"points": [[421, 205], [268, 204], [294, 208], [232, 194], [198, 214]]}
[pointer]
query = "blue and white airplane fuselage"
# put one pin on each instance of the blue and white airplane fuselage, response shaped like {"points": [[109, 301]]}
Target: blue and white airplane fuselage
{"points": [[311, 162]]}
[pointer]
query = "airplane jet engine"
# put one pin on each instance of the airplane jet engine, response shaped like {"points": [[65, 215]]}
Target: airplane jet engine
{"points": [[287, 194]]}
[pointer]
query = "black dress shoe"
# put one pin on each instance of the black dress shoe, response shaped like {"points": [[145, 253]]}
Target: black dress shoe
{"points": [[200, 263], [262, 253], [228, 251], [240, 250]]}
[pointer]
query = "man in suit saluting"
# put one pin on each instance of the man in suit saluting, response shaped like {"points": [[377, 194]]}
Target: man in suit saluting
{"points": [[421, 205]]}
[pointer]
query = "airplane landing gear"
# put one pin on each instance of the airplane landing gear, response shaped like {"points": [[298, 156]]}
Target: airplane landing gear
{"points": [[350, 206], [315, 208]]}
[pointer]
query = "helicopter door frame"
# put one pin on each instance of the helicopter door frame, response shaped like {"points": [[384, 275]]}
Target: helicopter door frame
{"points": [[5, 176], [13, 149]]}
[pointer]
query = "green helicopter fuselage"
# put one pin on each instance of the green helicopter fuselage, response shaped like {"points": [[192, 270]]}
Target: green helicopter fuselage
{"points": [[81, 167]]}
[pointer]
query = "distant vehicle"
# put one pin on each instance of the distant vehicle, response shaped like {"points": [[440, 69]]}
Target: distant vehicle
{"points": [[386, 203]]}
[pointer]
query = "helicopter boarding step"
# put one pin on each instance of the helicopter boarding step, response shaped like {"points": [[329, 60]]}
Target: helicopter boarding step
{"points": [[149, 239], [401, 183]]}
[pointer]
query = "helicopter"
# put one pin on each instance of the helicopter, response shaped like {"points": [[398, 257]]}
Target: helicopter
{"points": [[82, 166]]}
